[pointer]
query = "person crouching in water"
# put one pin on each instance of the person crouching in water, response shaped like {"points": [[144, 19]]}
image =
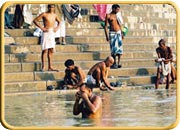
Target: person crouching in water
{"points": [[74, 75], [90, 106], [165, 57]]}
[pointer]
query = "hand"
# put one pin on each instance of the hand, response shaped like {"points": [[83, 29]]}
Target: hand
{"points": [[84, 96], [78, 96], [122, 36], [55, 29], [44, 29]]}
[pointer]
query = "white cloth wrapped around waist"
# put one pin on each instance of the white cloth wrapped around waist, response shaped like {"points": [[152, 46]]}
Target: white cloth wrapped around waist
{"points": [[48, 39], [166, 68]]}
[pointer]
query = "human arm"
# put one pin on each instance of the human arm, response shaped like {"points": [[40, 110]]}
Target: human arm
{"points": [[93, 105], [37, 20], [58, 23], [104, 72], [77, 106], [106, 27]]}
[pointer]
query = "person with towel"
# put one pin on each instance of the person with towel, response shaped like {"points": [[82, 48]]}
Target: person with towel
{"points": [[115, 21]]}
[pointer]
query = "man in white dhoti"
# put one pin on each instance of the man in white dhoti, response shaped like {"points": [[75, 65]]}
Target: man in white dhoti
{"points": [[164, 60], [48, 37]]}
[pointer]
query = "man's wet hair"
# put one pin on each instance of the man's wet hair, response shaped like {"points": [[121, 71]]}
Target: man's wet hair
{"points": [[162, 41], [87, 86], [115, 6], [69, 62]]}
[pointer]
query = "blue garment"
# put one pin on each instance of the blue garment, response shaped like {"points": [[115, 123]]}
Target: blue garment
{"points": [[116, 42]]}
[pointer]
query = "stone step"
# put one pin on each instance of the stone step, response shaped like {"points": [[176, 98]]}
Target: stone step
{"points": [[50, 75], [15, 49], [140, 27], [151, 14], [34, 86], [86, 56], [162, 8], [36, 66], [37, 48], [126, 40], [29, 86], [91, 40], [27, 57], [31, 40]]}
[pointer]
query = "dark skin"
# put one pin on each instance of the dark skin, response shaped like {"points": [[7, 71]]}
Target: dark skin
{"points": [[90, 106], [49, 18], [80, 73], [111, 20], [100, 72], [162, 52]]}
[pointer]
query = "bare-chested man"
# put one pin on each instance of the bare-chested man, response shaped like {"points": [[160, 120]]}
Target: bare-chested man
{"points": [[74, 75], [48, 38], [90, 106], [164, 60], [115, 35], [98, 74]]}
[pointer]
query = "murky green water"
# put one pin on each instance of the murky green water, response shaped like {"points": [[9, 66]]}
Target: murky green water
{"points": [[120, 108]]}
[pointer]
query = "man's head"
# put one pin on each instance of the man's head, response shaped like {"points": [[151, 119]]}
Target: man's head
{"points": [[115, 8], [162, 43], [51, 7], [84, 88], [109, 61], [69, 64]]}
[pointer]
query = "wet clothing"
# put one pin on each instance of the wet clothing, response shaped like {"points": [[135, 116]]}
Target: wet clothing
{"points": [[116, 42]]}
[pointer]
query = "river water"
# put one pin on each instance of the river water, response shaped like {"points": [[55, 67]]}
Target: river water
{"points": [[125, 108]]}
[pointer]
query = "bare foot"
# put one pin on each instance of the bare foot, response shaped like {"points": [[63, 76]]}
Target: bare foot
{"points": [[51, 69]]}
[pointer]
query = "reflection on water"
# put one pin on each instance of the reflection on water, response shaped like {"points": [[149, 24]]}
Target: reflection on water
{"points": [[120, 108]]}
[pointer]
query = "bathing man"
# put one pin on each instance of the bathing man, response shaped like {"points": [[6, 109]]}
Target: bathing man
{"points": [[48, 37], [98, 74], [164, 60], [90, 106], [114, 19]]}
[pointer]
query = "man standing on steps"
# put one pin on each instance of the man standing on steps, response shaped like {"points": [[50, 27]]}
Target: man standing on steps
{"points": [[98, 74], [48, 37], [114, 19], [164, 60]]}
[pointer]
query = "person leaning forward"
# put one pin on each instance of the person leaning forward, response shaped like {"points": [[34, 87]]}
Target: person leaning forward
{"points": [[74, 75], [98, 74], [90, 106], [164, 60]]}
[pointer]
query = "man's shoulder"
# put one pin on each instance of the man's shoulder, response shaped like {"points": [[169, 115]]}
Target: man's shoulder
{"points": [[158, 48], [98, 98]]}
